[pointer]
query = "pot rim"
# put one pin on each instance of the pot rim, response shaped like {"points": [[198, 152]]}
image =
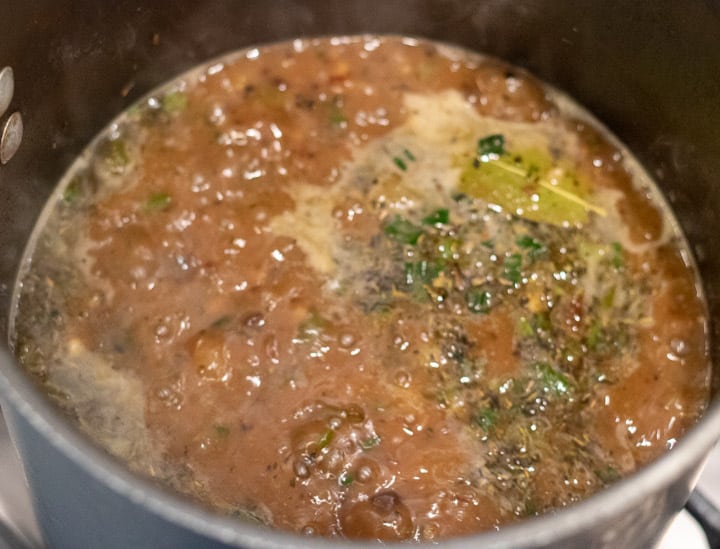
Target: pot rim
{"points": [[19, 392]]}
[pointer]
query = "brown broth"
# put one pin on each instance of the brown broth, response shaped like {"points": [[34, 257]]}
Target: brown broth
{"points": [[308, 284]]}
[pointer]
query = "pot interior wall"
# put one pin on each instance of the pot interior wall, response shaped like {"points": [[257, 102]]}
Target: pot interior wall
{"points": [[649, 70]]}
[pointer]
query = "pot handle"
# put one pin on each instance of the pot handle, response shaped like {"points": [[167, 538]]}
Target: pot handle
{"points": [[707, 516]]}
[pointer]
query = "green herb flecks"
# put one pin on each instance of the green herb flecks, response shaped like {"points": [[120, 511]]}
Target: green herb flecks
{"points": [[325, 439], [512, 269], [402, 231], [422, 272], [116, 155], [478, 300], [370, 442], [222, 431], [174, 102], [607, 474], [73, 191], [346, 479], [532, 247], [523, 327], [401, 160], [158, 202], [312, 327], [486, 419], [438, 217], [400, 163], [492, 146], [618, 258], [553, 380]]}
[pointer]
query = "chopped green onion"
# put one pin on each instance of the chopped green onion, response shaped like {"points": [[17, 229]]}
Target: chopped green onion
{"points": [[346, 479], [409, 155]]}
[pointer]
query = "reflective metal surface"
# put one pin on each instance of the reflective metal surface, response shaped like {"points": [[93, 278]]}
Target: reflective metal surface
{"points": [[19, 529], [11, 137], [7, 88]]}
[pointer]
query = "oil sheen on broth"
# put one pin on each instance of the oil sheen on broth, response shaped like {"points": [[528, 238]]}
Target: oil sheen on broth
{"points": [[366, 287]]}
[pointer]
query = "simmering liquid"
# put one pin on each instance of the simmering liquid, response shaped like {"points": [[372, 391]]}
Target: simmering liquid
{"points": [[369, 287]]}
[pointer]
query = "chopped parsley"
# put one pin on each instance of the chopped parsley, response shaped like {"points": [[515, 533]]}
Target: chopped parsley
{"points": [[478, 300], [512, 269], [158, 202], [491, 146], [402, 231]]}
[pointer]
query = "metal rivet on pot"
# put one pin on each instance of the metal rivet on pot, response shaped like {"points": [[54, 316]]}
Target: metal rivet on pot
{"points": [[11, 137], [7, 87]]}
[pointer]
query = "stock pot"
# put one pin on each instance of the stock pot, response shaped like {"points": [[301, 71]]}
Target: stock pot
{"points": [[649, 69]]}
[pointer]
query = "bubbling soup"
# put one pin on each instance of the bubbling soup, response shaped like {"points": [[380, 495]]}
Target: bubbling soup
{"points": [[368, 287]]}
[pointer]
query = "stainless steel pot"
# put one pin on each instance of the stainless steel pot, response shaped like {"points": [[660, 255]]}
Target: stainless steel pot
{"points": [[650, 69]]}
